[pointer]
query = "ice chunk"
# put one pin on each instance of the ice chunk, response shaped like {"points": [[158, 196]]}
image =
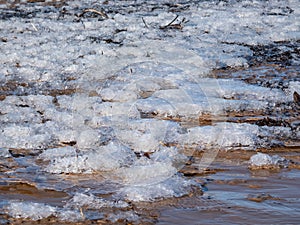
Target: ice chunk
{"points": [[52, 153], [69, 215], [27, 137], [158, 51], [111, 95], [71, 164], [223, 135], [146, 172], [235, 136], [127, 216], [241, 90], [4, 152], [145, 135], [170, 154], [294, 86], [172, 187], [261, 160], [66, 135], [110, 157], [19, 115], [65, 118], [92, 202], [31, 210], [105, 158], [37, 211], [38, 102], [87, 139], [83, 103], [212, 96], [16, 131], [158, 168], [115, 110]]}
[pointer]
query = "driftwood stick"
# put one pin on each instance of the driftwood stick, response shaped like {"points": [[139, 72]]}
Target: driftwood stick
{"points": [[169, 24]]}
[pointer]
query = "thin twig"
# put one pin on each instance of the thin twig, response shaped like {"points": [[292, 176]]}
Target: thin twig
{"points": [[169, 24], [145, 22], [103, 14], [34, 27]]}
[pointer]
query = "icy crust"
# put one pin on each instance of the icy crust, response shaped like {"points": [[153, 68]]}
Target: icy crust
{"points": [[37, 211], [138, 137], [34, 211], [206, 34], [160, 166], [251, 21], [90, 201], [34, 122], [69, 160], [209, 96], [174, 186], [95, 94], [265, 161], [230, 136], [146, 135], [24, 137], [124, 166], [71, 211]]}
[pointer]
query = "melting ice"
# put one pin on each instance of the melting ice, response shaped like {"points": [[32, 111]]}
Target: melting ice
{"points": [[121, 97], [261, 160]]}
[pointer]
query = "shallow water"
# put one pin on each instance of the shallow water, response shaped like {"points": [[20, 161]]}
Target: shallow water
{"points": [[242, 197], [138, 112]]}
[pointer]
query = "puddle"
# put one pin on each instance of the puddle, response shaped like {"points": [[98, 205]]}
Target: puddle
{"points": [[238, 195]]}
